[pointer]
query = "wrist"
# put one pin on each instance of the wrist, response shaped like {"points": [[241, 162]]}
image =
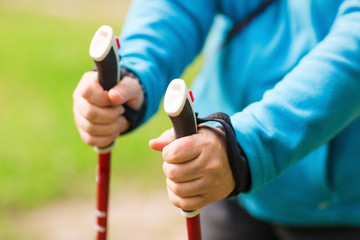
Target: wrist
{"points": [[237, 158], [134, 116]]}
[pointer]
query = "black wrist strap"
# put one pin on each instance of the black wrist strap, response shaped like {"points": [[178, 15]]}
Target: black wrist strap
{"points": [[237, 159], [134, 117]]}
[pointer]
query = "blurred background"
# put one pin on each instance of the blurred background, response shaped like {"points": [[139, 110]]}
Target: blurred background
{"points": [[47, 175]]}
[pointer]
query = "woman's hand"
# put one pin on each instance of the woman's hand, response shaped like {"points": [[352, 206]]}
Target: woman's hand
{"points": [[98, 114], [196, 167]]}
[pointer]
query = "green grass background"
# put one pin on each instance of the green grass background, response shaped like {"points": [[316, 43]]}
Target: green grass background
{"points": [[43, 53]]}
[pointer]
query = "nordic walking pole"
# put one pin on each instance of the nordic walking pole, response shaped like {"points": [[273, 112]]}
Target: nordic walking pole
{"points": [[178, 106], [104, 51]]}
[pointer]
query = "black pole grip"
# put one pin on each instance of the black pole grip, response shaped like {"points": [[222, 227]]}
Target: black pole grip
{"points": [[178, 106], [104, 52], [184, 124], [108, 70]]}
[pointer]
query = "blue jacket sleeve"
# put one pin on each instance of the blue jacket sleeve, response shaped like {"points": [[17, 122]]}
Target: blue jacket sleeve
{"points": [[312, 103], [160, 38]]}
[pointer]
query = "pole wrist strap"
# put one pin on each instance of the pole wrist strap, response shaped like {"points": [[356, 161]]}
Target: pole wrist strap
{"points": [[134, 117], [237, 158]]}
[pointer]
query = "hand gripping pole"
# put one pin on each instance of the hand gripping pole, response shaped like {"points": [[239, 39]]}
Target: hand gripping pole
{"points": [[178, 106], [104, 51]]}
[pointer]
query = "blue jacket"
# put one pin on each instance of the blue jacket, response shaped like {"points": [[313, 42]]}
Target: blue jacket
{"points": [[290, 81]]}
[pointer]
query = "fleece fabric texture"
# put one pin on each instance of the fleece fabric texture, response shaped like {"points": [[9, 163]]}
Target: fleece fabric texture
{"points": [[290, 81]]}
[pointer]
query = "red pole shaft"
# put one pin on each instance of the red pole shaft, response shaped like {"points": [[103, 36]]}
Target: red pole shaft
{"points": [[103, 175], [193, 228]]}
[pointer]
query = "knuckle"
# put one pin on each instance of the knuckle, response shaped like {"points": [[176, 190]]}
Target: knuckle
{"points": [[121, 121], [85, 91], [84, 86], [88, 127], [103, 143], [177, 190], [87, 139], [176, 202], [187, 206], [169, 154], [170, 170], [89, 113], [122, 125], [165, 168], [89, 75], [215, 165]]}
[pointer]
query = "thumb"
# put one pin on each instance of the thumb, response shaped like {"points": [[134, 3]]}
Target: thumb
{"points": [[165, 139], [128, 91]]}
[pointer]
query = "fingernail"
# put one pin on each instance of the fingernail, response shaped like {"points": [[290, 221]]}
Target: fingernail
{"points": [[120, 96], [116, 96]]}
